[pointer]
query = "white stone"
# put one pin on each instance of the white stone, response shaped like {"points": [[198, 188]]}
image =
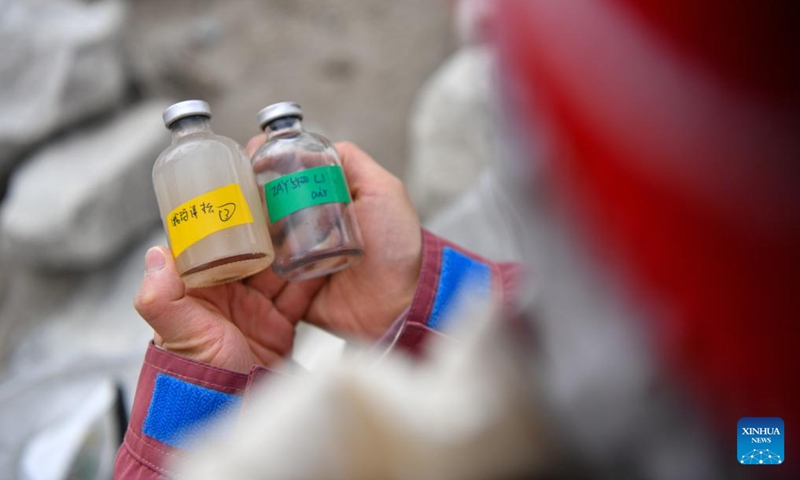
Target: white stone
{"points": [[483, 220], [60, 63], [78, 202]]}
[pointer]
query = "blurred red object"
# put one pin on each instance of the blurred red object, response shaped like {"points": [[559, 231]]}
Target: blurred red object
{"points": [[675, 133]]}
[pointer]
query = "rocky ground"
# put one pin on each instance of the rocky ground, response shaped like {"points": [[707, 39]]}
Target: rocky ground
{"points": [[354, 65]]}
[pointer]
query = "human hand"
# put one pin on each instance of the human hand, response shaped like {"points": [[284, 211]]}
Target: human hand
{"points": [[232, 326], [363, 300], [249, 322]]}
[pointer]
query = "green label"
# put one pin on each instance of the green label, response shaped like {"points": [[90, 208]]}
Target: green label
{"points": [[306, 188]]}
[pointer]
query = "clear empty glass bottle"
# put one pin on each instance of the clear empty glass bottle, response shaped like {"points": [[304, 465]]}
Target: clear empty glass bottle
{"points": [[311, 219], [209, 201]]}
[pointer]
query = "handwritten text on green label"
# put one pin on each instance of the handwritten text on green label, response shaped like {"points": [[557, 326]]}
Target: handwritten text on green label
{"points": [[315, 186]]}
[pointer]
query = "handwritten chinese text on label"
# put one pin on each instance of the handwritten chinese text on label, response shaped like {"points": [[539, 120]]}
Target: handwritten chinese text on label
{"points": [[206, 214]]}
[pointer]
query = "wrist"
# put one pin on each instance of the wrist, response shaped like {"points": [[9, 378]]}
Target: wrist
{"points": [[213, 354], [397, 300]]}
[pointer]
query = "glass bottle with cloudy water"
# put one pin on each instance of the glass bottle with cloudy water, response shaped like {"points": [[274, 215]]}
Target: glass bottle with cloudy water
{"points": [[209, 201], [311, 218]]}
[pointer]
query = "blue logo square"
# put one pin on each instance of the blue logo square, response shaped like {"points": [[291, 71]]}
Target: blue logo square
{"points": [[760, 441]]}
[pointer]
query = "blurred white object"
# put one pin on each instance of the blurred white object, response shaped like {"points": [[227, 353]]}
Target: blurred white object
{"points": [[83, 442], [70, 412], [314, 348], [482, 220], [466, 413], [452, 130]]}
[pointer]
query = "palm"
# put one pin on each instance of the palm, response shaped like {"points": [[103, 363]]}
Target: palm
{"points": [[233, 326], [243, 326], [362, 301]]}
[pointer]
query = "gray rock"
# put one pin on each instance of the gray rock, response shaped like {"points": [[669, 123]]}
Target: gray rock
{"points": [[353, 65], [95, 319], [28, 297], [79, 201], [60, 63]]}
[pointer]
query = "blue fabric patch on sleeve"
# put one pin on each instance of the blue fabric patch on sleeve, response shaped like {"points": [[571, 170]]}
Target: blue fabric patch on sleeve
{"points": [[178, 408], [460, 275]]}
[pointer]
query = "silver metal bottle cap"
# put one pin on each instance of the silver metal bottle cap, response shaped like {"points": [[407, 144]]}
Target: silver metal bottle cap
{"points": [[184, 109], [278, 110]]}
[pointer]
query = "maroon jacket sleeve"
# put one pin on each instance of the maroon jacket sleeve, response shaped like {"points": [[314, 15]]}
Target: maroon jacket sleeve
{"points": [[146, 448], [448, 272], [176, 396]]}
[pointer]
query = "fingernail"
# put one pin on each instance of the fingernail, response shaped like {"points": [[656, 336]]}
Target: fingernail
{"points": [[154, 260]]}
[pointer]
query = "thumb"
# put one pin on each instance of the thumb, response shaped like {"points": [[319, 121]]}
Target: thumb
{"points": [[364, 175], [162, 301]]}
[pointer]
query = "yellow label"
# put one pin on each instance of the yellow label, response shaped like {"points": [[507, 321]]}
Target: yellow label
{"points": [[205, 214]]}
